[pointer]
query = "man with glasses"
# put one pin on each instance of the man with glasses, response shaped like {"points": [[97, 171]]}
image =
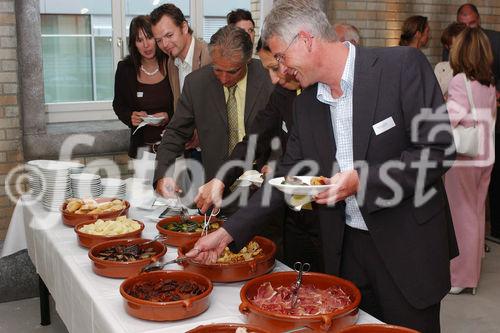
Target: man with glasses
{"points": [[221, 100], [364, 122]]}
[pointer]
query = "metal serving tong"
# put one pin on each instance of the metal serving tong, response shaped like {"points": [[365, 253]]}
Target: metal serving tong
{"points": [[135, 247], [157, 266], [300, 268], [206, 222]]}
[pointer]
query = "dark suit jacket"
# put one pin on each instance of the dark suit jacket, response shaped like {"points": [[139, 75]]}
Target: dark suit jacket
{"points": [[202, 106], [416, 243], [494, 37], [267, 125]]}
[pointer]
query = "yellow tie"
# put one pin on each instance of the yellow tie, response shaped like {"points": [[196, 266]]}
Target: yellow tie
{"points": [[232, 119]]}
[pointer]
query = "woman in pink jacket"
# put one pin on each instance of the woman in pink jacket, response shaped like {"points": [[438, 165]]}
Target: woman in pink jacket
{"points": [[467, 181]]}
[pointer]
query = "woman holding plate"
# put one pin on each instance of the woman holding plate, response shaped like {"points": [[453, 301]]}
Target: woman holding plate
{"points": [[143, 98]]}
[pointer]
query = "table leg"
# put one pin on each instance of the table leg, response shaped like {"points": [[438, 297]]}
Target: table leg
{"points": [[44, 302]]}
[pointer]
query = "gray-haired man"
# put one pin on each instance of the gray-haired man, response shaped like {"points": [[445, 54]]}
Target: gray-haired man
{"points": [[357, 113], [221, 100]]}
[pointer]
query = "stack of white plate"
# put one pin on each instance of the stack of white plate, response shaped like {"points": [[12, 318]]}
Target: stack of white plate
{"points": [[50, 180], [86, 185], [113, 188], [57, 186]]}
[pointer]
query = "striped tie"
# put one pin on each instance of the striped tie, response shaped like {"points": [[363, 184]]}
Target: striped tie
{"points": [[232, 119]]}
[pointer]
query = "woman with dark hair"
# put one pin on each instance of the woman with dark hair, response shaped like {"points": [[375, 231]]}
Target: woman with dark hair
{"points": [[142, 89], [471, 102], [242, 19], [415, 32]]}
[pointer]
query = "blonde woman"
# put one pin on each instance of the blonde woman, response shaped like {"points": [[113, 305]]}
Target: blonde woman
{"points": [[467, 186]]}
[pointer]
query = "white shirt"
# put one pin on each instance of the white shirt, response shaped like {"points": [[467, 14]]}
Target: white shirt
{"points": [[444, 74], [341, 114], [185, 67]]}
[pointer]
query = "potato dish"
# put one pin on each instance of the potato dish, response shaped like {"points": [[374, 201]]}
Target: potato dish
{"points": [[249, 252], [90, 206], [122, 225]]}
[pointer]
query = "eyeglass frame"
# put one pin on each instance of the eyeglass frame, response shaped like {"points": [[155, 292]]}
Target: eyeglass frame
{"points": [[280, 57]]}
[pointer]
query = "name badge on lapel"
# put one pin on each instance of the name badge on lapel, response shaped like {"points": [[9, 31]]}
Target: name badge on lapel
{"points": [[140, 94], [383, 126], [283, 127]]}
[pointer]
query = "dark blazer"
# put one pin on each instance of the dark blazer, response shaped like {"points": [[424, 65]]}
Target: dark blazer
{"points": [[416, 243], [202, 106], [125, 101], [267, 125]]}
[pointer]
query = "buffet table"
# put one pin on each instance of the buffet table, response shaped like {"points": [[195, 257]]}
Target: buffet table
{"points": [[87, 302]]}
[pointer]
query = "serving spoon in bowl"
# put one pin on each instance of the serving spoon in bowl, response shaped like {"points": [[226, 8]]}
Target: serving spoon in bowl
{"points": [[156, 266]]}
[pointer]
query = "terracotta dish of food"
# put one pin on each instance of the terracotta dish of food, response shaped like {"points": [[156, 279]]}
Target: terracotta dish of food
{"points": [[75, 211], [235, 267], [326, 303], [92, 233], [122, 258], [179, 232], [166, 295]]}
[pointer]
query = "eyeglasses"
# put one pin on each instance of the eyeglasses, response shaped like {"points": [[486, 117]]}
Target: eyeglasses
{"points": [[280, 57], [230, 72]]}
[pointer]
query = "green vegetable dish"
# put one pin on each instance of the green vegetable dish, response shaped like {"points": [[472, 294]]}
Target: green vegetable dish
{"points": [[189, 226]]}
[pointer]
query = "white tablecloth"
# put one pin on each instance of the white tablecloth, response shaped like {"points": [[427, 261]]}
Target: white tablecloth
{"points": [[87, 302]]}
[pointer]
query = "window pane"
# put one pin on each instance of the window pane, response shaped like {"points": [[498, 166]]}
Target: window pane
{"points": [[215, 12], [65, 24], [134, 8], [67, 69], [77, 50], [103, 56]]}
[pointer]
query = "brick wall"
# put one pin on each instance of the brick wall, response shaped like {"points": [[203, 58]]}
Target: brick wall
{"points": [[380, 21], [10, 132]]}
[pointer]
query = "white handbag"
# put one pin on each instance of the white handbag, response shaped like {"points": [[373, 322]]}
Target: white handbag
{"points": [[467, 138]]}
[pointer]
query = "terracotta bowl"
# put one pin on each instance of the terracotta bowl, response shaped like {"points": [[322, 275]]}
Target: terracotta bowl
{"points": [[234, 272], [88, 240], [377, 328], [72, 219], [330, 322], [116, 269], [178, 239], [166, 311], [226, 328]]}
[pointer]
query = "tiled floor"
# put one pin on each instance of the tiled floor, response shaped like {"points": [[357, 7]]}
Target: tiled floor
{"points": [[460, 313]]}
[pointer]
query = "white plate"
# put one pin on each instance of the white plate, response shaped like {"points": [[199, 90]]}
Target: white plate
{"points": [[299, 189], [152, 120]]}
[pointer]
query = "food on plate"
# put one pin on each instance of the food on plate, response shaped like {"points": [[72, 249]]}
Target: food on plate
{"points": [[189, 226], [311, 300], [90, 206], [247, 253], [165, 290], [318, 180], [122, 225], [126, 253], [291, 180]]}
